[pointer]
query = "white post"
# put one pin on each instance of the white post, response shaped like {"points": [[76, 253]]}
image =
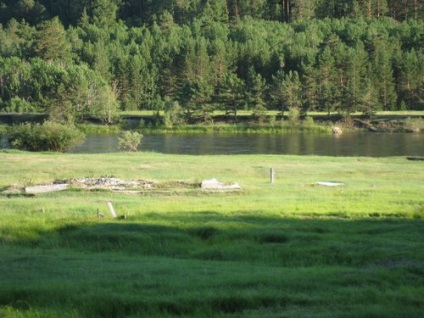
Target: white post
{"points": [[272, 175], [111, 209]]}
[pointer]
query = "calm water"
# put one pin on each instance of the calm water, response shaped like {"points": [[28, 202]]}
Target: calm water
{"points": [[369, 145]]}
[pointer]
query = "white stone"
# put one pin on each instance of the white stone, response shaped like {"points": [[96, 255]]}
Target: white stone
{"points": [[330, 183], [337, 130], [215, 184], [46, 188]]}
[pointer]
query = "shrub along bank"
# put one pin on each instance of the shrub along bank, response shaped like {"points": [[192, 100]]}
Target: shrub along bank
{"points": [[48, 136]]}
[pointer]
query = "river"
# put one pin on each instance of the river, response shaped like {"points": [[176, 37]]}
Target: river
{"points": [[358, 144]]}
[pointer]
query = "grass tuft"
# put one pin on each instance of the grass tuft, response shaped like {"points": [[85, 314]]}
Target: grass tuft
{"points": [[204, 232]]}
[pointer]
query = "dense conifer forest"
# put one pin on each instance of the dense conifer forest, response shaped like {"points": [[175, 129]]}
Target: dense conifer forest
{"points": [[84, 59]]}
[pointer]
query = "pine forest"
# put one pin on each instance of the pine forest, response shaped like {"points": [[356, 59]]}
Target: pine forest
{"points": [[81, 59]]}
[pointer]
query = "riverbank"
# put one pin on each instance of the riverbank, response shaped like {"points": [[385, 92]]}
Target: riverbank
{"points": [[273, 123], [293, 247]]}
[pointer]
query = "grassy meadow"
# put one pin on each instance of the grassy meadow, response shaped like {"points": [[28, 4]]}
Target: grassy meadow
{"points": [[288, 249]]}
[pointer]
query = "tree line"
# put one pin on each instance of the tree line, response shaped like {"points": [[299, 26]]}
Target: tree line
{"points": [[91, 58], [140, 12]]}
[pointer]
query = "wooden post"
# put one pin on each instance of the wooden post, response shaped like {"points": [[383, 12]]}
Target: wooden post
{"points": [[111, 209], [272, 175]]}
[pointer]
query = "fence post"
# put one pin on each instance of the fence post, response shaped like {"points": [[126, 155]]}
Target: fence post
{"points": [[111, 209], [272, 175]]}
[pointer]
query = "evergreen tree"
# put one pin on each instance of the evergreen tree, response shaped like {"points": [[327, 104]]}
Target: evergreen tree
{"points": [[29, 10], [369, 8], [303, 9], [103, 12], [286, 10], [215, 11], [256, 87], [286, 91], [252, 8], [383, 80], [410, 78], [277, 92], [14, 74], [136, 67], [25, 35], [195, 97], [50, 41], [292, 91], [369, 99], [357, 84], [84, 20], [332, 9], [101, 62], [220, 62], [406, 9], [309, 88], [232, 94], [197, 61], [326, 81]]}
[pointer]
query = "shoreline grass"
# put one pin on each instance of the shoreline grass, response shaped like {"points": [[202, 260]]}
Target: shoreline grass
{"points": [[292, 248], [279, 128], [314, 123]]}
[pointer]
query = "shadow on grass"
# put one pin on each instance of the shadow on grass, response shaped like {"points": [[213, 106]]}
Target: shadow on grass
{"points": [[207, 264], [257, 239]]}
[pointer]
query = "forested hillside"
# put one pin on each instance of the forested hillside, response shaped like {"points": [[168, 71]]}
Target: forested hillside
{"points": [[91, 58]]}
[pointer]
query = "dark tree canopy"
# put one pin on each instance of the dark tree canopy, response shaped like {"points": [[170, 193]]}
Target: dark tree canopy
{"points": [[90, 58]]}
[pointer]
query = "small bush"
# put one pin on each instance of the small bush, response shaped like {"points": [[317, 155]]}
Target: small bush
{"points": [[414, 124], [293, 115], [272, 120], [130, 140], [48, 136], [174, 115], [205, 232], [273, 237], [18, 105], [3, 130], [308, 122]]}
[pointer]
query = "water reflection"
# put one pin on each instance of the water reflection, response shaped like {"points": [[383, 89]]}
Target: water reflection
{"points": [[371, 145]]}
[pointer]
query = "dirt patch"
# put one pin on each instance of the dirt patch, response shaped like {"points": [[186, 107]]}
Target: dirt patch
{"points": [[109, 183], [386, 125], [116, 185], [144, 166], [103, 183]]}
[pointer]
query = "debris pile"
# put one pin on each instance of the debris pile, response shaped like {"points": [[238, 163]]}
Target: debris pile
{"points": [[116, 185], [105, 183], [110, 183]]}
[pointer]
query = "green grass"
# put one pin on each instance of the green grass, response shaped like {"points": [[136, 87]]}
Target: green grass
{"points": [[242, 113], [288, 249], [280, 127], [92, 129], [317, 123]]}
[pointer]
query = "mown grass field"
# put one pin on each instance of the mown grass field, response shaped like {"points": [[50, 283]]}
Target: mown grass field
{"points": [[288, 249]]}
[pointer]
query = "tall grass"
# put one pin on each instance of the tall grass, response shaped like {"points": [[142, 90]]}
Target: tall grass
{"points": [[280, 127], [414, 124], [92, 129], [292, 248]]}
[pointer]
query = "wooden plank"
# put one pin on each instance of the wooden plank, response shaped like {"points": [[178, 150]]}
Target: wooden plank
{"points": [[112, 210]]}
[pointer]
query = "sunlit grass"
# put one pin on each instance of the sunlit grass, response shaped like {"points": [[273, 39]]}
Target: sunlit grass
{"points": [[292, 248]]}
